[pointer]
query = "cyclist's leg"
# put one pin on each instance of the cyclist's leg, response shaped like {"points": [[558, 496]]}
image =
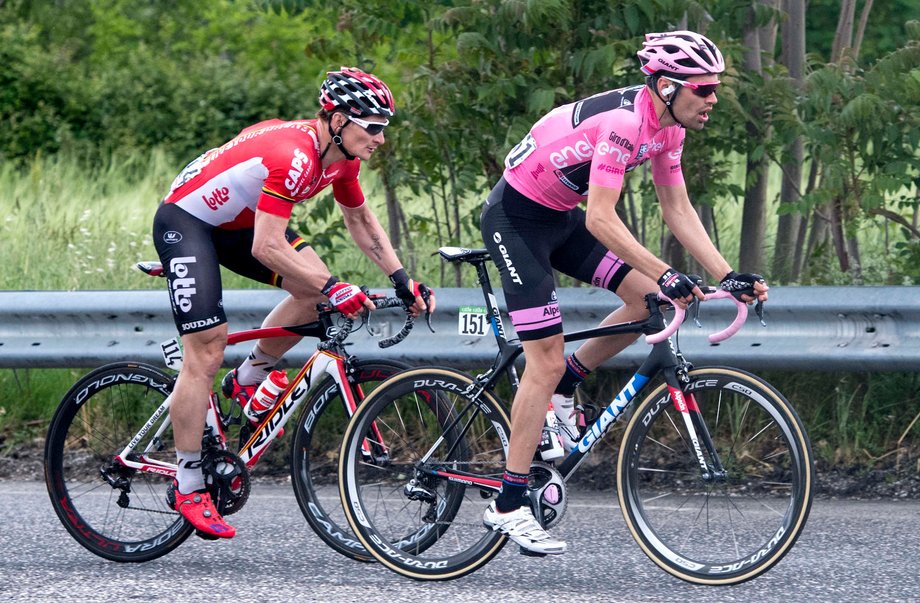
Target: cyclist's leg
{"points": [[190, 261], [521, 235], [187, 252], [528, 410], [203, 352]]}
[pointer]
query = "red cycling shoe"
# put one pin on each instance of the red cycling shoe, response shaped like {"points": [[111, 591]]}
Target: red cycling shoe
{"points": [[232, 390], [241, 394], [198, 509]]}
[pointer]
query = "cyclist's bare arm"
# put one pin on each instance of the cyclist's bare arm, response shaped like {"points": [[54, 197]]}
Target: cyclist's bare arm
{"points": [[684, 222], [304, 273], [370, 237], [373, 241], [604, 223]]}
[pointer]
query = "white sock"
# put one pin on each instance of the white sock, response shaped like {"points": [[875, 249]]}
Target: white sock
{"points": [[189, 475], [256, 367]]}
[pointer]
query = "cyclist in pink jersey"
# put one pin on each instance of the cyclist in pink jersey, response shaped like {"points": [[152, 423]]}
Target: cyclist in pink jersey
{"points": [[532, 224], [231, 207]]}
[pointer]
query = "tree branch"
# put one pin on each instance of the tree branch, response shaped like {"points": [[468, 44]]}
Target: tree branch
{"points": [[895, 217]]}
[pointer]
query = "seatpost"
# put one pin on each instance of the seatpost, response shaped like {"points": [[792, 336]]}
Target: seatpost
{"points": [[485, 283]]}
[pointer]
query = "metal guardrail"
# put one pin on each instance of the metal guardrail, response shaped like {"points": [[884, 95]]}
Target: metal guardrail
{"points": [[808, 328]]}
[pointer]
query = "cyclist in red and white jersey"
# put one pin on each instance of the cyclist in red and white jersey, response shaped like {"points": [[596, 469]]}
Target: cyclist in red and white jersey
{"points": [[231, 206], [532, 224]]}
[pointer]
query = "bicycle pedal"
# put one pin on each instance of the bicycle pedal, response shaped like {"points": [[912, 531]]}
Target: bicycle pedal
{"points": [[204, 536], [529, 553]]}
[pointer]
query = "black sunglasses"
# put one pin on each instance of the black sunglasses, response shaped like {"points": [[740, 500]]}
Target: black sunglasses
{"points": [[371, 127]]}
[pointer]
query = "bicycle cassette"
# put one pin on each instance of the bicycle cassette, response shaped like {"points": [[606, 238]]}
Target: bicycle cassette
{"points": [[227, 480], [547, 495]]}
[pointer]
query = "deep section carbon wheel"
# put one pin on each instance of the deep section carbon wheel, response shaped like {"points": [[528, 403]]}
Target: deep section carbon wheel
{"points": [[116, 512], [708, 526]]}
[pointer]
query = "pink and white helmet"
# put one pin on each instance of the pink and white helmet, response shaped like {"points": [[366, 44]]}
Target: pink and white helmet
{"points": [[680, 53]]}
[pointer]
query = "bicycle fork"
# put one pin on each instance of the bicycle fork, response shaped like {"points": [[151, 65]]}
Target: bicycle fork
{"points": [[697, 432]]}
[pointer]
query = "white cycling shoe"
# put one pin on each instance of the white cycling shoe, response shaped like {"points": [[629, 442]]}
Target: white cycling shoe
{"points": [[566, 418], [522, 528]]}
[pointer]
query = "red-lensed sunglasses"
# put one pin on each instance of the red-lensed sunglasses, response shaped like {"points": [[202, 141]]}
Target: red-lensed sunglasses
{"points": [[701, 90]]}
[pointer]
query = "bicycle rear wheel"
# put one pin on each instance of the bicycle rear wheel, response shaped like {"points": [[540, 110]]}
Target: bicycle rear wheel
{"points": [[418, 507], [722, 529], [315, 453], [115, 512]]}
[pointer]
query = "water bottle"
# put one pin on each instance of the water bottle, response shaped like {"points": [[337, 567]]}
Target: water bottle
{"points": [[266, 395], [550, 444]]}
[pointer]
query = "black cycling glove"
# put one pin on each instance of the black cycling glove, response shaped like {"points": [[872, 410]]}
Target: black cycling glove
{"points": [[675, 285], [740, 284], [406, 288]]}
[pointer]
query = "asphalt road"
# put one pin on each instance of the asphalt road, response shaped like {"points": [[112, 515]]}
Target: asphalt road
{"points": [[850, 551]]}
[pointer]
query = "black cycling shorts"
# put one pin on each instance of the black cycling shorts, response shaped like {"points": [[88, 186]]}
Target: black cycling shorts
{"points": [[192, 252], [527, 241]]}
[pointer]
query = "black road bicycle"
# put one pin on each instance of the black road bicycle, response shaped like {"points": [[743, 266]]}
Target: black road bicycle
{"points": [[714, 473]]}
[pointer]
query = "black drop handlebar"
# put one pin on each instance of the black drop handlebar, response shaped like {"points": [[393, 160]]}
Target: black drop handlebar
{"points": [[380, 302]]}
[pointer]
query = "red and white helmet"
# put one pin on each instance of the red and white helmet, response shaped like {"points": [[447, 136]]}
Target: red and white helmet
{"points": [[361, 93], [682, 53]]}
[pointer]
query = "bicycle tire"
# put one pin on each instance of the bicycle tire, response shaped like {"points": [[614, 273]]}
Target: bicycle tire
{"points": [[412, 520], [95, 420], [315, 453], [720, 531]]}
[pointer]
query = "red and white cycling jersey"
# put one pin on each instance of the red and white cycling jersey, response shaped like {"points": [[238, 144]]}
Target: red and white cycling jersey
{"points": [[594, 141], [269, 166]]}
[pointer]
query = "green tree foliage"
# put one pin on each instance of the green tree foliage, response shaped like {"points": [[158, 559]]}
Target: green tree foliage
{"points": [[863, 127], [97, 76], [92, 77]]}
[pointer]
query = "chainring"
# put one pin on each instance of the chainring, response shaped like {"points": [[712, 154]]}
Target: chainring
{"points": [[227, 480], [547, 494]]}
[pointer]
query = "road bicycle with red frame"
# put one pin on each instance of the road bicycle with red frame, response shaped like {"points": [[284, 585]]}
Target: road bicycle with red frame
{"points": [[714, 471], [110, 457]]}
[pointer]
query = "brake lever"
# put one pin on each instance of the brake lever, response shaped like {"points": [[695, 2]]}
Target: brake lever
{"points": [[426, 297], [696, 312], [758, 308], [695, 302]]}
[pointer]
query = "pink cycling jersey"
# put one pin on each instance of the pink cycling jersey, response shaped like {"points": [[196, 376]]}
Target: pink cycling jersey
{"points": [[594, 141], [270, 166]]}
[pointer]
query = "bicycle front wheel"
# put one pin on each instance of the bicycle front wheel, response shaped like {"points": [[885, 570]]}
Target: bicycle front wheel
{"points": [[711, 527], [420, 459], [117, 513], [315, 453]]}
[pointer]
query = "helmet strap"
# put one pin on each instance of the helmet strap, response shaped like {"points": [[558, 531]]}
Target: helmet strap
{"points": [[337, 139], [667, 103], [652, 82]]}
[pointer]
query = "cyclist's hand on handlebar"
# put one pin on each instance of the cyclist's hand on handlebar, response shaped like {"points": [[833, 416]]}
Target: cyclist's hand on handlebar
{"points": [[416, 296], [747, 287], [678, 287], [348, 299]]}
